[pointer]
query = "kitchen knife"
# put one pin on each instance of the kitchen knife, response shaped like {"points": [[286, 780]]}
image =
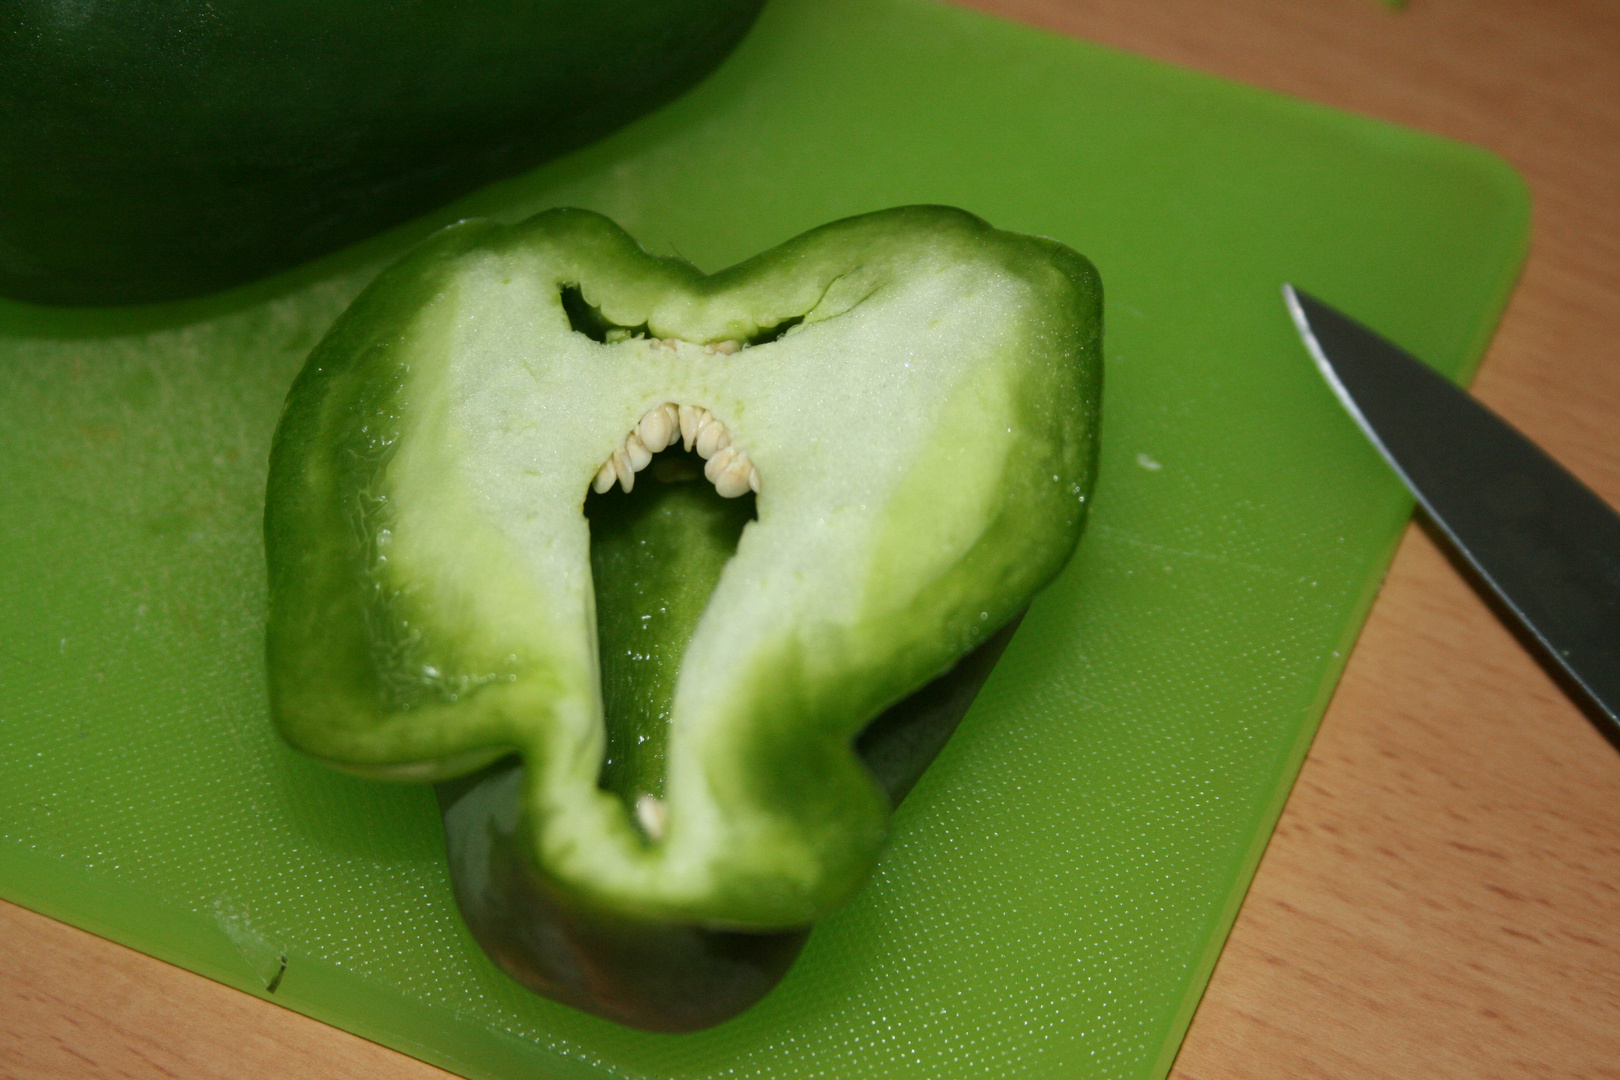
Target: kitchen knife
{"points": [[1536, 536]]}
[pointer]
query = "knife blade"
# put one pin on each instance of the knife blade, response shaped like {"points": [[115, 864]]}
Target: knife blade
{"points": [[1537, 537]]}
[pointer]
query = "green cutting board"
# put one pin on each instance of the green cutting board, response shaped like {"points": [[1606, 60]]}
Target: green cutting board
{"points": [[1057, 888]]}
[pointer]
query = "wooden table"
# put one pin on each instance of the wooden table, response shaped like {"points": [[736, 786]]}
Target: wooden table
{"points": [[1442, 897]]}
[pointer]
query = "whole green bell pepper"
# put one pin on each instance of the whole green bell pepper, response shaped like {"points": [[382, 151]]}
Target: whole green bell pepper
{"points": [[898, 416], [155, 149]]}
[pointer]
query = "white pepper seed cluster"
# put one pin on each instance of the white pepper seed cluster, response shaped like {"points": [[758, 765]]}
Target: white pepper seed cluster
{"points": [[728, 468]]}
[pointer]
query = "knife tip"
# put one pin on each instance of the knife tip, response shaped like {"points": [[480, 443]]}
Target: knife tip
{"points": [[1295, 298], [1295, 301]]}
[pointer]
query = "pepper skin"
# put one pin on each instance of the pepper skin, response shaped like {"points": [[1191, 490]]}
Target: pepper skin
{"points": [[156, 149], [713, 705]]}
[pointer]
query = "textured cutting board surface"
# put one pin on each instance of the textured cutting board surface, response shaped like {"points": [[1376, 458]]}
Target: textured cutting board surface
{"points": [[1059, 884]]}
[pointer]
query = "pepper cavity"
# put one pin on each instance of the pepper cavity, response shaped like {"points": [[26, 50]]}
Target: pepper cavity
{"points": [[728, 468]]}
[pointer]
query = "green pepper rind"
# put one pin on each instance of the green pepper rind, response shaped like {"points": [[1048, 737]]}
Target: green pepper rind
{"points": [[412, 636]]}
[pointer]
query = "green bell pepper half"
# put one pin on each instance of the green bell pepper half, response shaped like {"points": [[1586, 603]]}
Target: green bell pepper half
{"points": [[682, 720]]}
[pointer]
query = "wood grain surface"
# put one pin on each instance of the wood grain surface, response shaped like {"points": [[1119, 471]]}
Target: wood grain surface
{"points": [[1442, 896]]}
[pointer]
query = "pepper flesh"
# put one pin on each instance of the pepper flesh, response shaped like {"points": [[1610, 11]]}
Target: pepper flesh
{"points": [[919, 395]]}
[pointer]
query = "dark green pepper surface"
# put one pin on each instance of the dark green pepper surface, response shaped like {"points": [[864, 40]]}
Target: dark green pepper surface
{"points": [[155, 149], [681, 720]]}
